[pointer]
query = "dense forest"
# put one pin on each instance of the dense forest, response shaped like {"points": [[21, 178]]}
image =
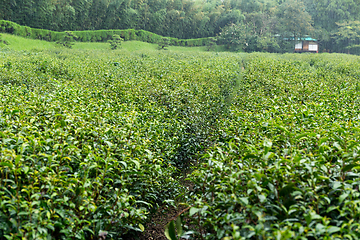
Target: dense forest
{"points": [[257, 25]]}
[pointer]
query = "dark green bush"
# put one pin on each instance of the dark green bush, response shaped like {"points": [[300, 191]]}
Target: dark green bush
{"points": [[164, 43], [97, 35], [115, 42], [68, 40]]}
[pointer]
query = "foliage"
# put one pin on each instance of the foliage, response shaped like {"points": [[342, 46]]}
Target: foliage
{"points": [[96, 36], [246, 37], [115, 42], [184, 19], [235, 36], [286, 163], [174, 230], [164, 43], [16, 29], [92, 142], [211, 44], [67, 40], [293, 19], [89, 140], [348, 36]]}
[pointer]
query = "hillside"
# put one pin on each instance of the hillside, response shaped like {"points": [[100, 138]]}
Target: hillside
{"points": [[21, 43]]}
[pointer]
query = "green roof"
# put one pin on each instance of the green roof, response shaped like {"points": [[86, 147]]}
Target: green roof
{"points": [[302, 39], [309, 39]]}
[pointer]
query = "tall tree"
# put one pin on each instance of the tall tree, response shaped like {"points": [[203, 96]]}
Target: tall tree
{"points": [[5, 9], [82, 11], [43, 14], [327, 13], [293, 20], [64, 15], [347, 37], [97, 14], [23, 12]]}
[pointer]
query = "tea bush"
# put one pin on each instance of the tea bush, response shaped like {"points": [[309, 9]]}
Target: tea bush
{"points": [[286, 163], [92, 143], [89, 141]]}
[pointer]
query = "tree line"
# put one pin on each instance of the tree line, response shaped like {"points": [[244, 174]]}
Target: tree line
{"points": [[257, 25]]}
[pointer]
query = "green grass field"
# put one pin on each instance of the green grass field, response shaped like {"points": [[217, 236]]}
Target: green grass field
{"points": [[19, 43]]}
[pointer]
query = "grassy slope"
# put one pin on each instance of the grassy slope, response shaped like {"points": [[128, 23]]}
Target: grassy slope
{"points": [[20, 43]]}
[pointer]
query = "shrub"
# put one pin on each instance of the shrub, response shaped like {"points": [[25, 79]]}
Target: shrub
{"points": [[116, 41], [67, 40], [164, 43], [210, 45]]}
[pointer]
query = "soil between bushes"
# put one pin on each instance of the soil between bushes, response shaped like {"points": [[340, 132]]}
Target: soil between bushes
{"points": [[154, 229]]}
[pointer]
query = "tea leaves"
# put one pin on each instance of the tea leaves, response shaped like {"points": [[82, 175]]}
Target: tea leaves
{"points": [[89, 143], [287, 164], [92, 143]]}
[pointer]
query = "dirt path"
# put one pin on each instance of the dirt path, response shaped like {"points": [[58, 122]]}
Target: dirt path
{"points": [[154, 229]]}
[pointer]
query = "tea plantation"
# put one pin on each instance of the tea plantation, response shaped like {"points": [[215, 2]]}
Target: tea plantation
{"points": [[94, 142]]}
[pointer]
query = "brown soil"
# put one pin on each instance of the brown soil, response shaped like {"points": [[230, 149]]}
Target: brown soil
{"points": [[154, 229]]}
